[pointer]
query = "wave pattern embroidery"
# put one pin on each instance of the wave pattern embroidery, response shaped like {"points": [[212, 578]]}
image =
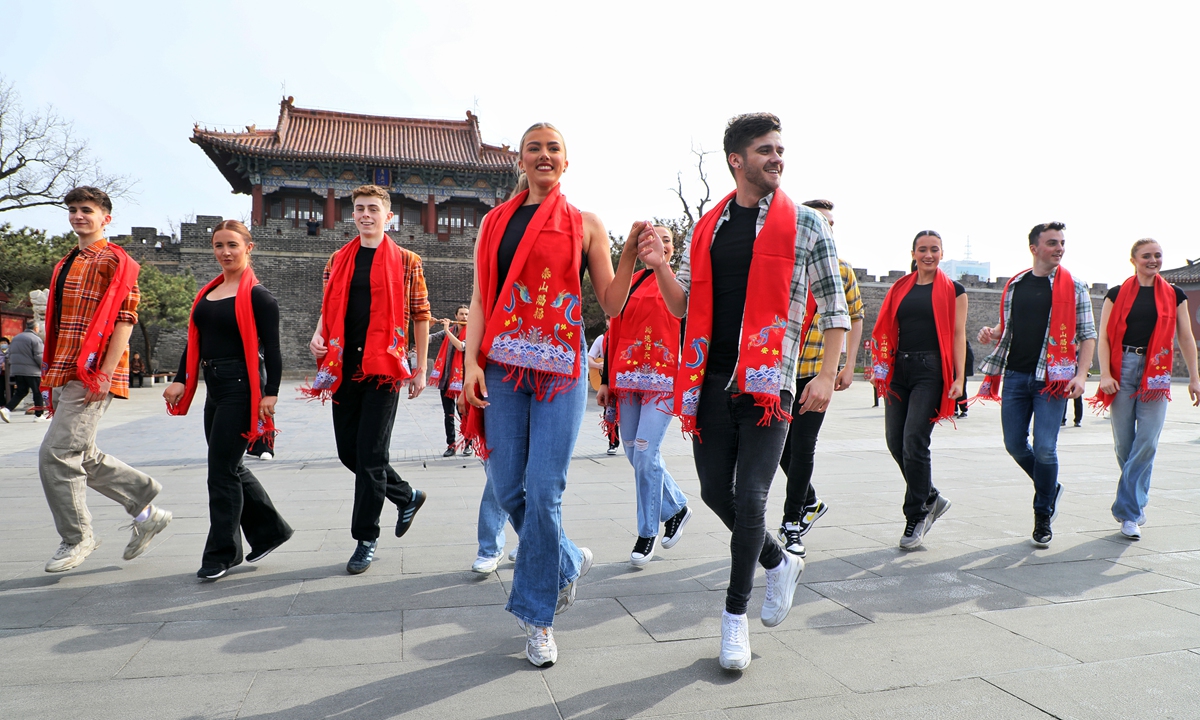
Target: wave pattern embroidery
{"points": [[534, 349], [764, 379], [645, 379]]}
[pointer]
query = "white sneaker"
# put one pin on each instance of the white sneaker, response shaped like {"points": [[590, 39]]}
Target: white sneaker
{"points": [[540, 648], [69, 556], [266, 456], [735, 642], [566, 596], [1131, 530], [512, 555], [781, 589], [5, 415], [485, 565], [40, 418], [144, 531]]}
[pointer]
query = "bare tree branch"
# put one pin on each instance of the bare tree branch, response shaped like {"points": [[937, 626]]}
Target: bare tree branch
{"points": [[41, 159]]}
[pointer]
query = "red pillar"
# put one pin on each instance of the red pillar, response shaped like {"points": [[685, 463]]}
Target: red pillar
{"points": [[330, 209], [430, 216], [256, 205]]}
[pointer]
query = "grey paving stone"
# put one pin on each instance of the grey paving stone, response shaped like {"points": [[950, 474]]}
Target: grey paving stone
{"points": [[234, 597], [54, 655], [901, 597], [1159, 686], [1094, 630], [371, 592], [1086, 579], [29, 608], [212, 697]]}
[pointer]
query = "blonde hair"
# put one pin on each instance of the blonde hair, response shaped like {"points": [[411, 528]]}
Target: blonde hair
{"points": [[373, 191], [235, 226], [1139, 243], [523, 180]]}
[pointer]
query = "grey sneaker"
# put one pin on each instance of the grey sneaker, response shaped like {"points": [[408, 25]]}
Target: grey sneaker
{"points": [[914, 533], [4, 414], [69, 556], [540, 648], [566, 596], [143, 532], [512, 554], [938, 509], [781, 588]]}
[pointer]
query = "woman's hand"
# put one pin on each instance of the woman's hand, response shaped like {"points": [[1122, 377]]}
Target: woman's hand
{"points": [[956, 389], [602, 396], [266, 407], [1108, 386], [174, 393], [474, 386], [317, 345], [1194, 392]]}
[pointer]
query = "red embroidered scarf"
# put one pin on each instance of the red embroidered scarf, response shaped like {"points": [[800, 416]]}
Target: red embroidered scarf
{"points": [[1160, 353], [100, 329], [886, 334], [454, 386], [385, 355], [1061, 358], [535, 328], [764, 320], [248, 330]]}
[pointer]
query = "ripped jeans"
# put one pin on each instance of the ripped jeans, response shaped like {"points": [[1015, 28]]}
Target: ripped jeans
{"points": [[642, 430]]}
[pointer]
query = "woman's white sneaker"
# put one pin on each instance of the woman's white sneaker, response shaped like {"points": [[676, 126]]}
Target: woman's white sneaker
{"points": [[781, 589], [485, 565], [1131, 530], [735, 642], [540, 647]]}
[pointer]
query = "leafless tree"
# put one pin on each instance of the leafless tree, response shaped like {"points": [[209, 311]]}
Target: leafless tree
{"points": [[41, 158], [690, 212]]}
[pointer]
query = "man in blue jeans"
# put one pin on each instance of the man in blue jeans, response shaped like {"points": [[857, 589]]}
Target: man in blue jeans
{"points": [[1025, 353]]}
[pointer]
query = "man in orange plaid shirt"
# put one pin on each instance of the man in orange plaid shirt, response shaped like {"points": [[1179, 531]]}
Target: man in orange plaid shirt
{"points": [[90, 315]]}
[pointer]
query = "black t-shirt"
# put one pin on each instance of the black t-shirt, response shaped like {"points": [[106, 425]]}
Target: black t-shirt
{"points": [[60, 283], [1143, 314], [219, 337], [1030, 316], [358, 304], [918, 331], [731, 252]]}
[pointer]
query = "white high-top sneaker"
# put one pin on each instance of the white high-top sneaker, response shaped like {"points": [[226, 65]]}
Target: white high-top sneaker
{"points": [[735, 642]]}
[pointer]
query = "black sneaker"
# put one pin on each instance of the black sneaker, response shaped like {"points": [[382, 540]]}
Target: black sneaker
{"points": [[811, 515], [1058, 493], [789, 535], [612, 447], [409, 512], [256, 555], [362, 557], [1041, 530], [962, 414], [211, 573], [643, 551], [449, 451], [673, 527]]}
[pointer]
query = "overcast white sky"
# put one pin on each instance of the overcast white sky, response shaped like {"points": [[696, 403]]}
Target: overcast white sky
{"points": [[967, 118]]}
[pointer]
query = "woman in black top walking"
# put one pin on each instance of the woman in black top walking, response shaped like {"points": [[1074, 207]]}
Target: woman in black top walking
{"points": [[232, 321]]}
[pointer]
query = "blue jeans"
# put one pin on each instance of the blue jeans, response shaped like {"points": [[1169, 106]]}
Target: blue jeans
{"points": [[1136, 425], [528, 480], [1024, 400], [642, 430], [490, 527]]}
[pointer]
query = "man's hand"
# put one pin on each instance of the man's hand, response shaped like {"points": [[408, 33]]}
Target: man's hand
{"points": [[650, 246], [317, 345], [844, 379], [602, 396], [1076, 387], [988, 335], [417, 383], [817, 392], [104, 385]]}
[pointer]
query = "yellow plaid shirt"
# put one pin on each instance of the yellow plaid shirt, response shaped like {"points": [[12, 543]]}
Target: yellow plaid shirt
{"points": [[809, 362]]}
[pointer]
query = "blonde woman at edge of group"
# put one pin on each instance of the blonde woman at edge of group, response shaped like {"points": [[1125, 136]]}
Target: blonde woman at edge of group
{"points": [[523, 374]]}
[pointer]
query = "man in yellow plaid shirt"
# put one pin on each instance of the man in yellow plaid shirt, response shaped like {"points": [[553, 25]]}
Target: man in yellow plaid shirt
{"points": [[802, 507]]}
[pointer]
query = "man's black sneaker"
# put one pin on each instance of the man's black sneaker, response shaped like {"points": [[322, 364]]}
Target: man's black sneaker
{"points": [[409, 512], [468, 451], [811, 515], [789, 535], [449, 451], [1058, 492], [362, 557], [612, 447], [673, 527], [1041, 530], [211, 573], [643, 551], [256, 555]]}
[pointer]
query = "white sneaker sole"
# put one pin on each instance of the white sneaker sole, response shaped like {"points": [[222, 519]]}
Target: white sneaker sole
{"points": [[734, 663], [74, 562], [670, 542]]}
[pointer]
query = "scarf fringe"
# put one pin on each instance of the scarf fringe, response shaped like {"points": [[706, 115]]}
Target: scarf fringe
{"points": [[253, 436], [610, 424], [92, 380], [687, 424], [1099, 402], [1147, 395], [310, 393], [1057, 388], [772, 409], [646, 398], [988, 391], [473, 432], [387, 382]]}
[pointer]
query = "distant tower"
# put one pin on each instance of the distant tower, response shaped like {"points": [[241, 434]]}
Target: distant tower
{"points": [[968, 257]]}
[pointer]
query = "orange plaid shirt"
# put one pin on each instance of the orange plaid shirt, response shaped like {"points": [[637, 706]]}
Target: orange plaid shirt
{"points": [[86, 282], [414, 283]]}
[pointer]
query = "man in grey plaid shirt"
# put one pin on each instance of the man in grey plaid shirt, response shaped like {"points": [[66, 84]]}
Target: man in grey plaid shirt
{"points": [[737, 439], [1021, 355]]}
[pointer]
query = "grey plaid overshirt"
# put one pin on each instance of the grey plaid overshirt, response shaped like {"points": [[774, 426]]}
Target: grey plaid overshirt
{"points": [[816, 262], [1085, 327]]}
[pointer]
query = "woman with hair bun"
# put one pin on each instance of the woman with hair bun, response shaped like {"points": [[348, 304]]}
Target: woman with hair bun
{"points": [[233, 320]]}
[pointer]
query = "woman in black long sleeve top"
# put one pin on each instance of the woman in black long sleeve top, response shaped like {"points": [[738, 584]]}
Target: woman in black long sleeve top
{"points": [[237, 502]]}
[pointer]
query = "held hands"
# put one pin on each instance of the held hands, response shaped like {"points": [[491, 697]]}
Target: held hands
{"points": [[474, 388], [1108, 385], [649, 245], [317, 345], [602, 396], [266, 406], [844, 379], [174, 393]]}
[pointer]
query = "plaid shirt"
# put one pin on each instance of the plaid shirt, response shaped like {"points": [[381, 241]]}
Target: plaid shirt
{"points": [[85, 285], [414, 283], [813, 350], [816, 262], [1085, 328]]}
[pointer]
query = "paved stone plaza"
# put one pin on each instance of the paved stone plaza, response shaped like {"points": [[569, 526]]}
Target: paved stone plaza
{"points": [[977, 624]]}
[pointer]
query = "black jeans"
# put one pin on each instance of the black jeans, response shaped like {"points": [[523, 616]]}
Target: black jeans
{"points": [[237, 502], [363, 415], [1078, 411], [797, 458], [735, 460], [26, 384], [917, 388], [450, 409]]}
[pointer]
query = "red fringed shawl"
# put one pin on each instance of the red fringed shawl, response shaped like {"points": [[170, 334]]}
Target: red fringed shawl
{"points": [[1160, 353], [886, 335], [248, 330], [454, 386], [764, 320], [99, 330]]}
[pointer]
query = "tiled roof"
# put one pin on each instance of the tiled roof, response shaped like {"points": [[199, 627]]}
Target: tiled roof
{"points": [[327, 135], [1189, 273]]}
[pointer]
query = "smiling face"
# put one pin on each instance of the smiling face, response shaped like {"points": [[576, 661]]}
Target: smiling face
{"points": [[231, 250], [761, 164], [1147, 259], [371, 216], [543, 157], [88, 219], [927, 253], [1048, 251]]}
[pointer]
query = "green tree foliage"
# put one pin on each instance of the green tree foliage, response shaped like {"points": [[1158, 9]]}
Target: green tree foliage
{"points": [[166, 302], [27, 259]]}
